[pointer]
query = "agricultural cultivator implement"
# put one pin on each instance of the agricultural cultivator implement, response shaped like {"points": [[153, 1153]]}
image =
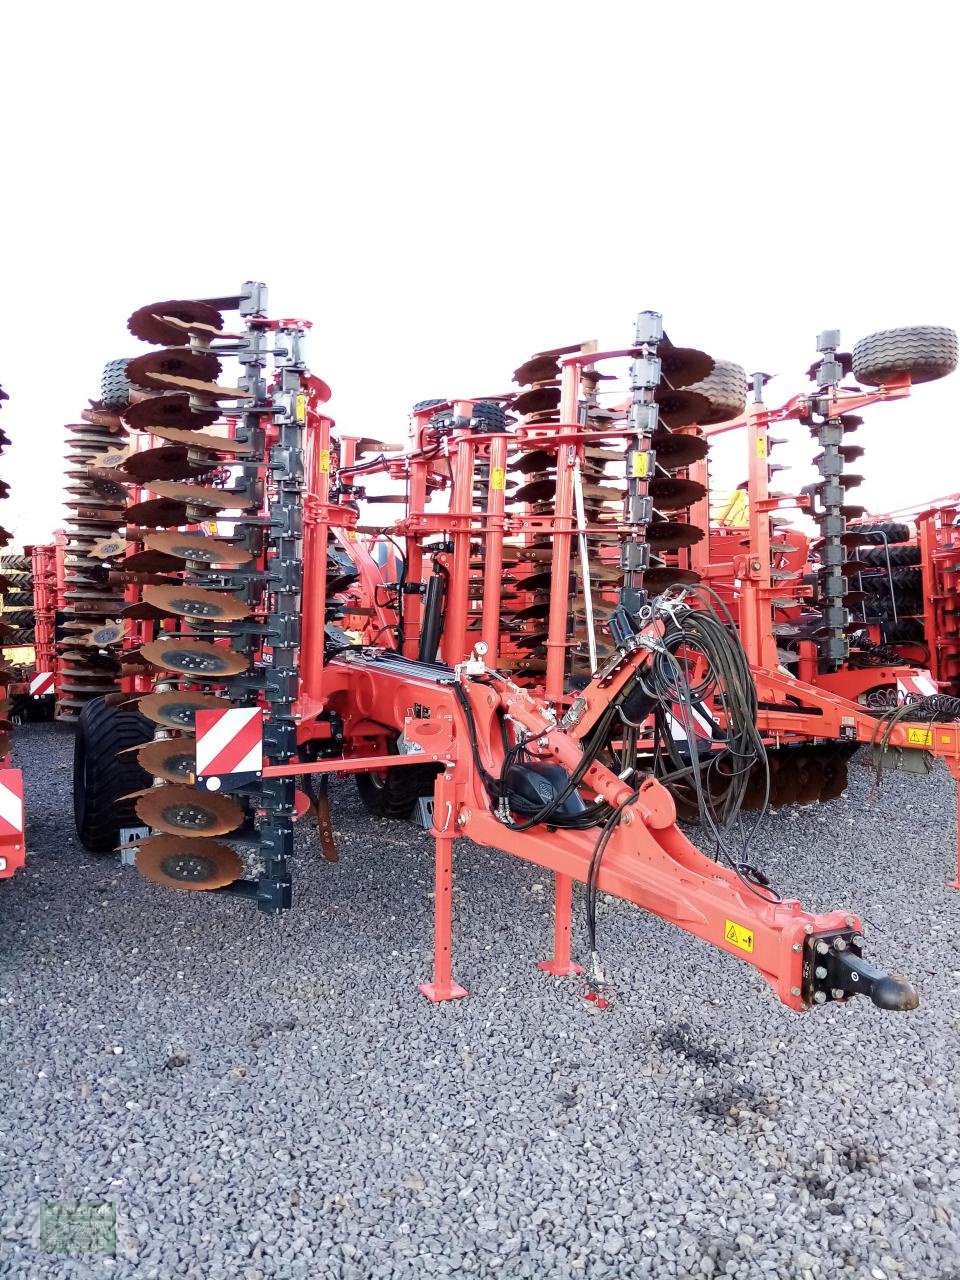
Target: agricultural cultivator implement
{"points": [[14, 571], [538, 654]]}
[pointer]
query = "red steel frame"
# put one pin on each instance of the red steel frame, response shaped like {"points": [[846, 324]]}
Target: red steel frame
{"points": [[648, 860]]}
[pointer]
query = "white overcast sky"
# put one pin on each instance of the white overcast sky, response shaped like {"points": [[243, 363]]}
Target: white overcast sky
{"points": [[444, 188]]}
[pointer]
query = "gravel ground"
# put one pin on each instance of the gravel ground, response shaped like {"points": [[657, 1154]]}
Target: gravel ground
{"points": [[271, 1097]]}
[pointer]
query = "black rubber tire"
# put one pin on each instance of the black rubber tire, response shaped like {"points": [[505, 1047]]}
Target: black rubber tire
{"points": [[906, 631], [17, 599], [925, 351], [101, 775], [395, 792], [19, 618], [115, 385], [726, 389], [895, 531], [901, 556], [22, 564], [488, 416]]}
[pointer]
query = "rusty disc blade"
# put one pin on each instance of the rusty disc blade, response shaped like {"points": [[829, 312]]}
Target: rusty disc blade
{"points": [[171, 410], [150, 562], [182, 863], [671, 494], [198, 547], [111, 458], [143, 612], [177, 708], [536, 490], [670, 535], [682, 366], [100, 637], [156, 513], [166, 323], [155, 368], [198, 495], [107, 548], [531, 463], [179, 810], [173, 759], [196, 658], [674, 451], [539, 368], [541, 399], [680, 408], [194, 602], [206, 440], [165, 462]]}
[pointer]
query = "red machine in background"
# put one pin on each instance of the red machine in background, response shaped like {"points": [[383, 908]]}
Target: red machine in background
{"points": [[12, 846], [546, 654]]}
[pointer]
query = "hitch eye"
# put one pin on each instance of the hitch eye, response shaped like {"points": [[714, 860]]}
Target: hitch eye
{"points": [[835, 970]]}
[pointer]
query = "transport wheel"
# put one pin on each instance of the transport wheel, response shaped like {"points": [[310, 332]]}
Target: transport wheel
{"points": [[893, 530], [726, 389], [21, 563], [924, 351], [393, 793], [114, 385], [102, 776]]}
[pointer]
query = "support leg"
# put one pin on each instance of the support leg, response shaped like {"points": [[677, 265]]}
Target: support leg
{"points": [[442, 987], [561, 966]]}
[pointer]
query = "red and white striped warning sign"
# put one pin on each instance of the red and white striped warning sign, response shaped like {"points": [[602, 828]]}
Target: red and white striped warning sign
{"points": [[11, 802], [41, 683], [229, 741], [917, 685]]}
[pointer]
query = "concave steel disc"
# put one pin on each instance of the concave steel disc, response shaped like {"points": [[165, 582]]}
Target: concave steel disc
{"points": [[195, 658], [151, 369], [206, 440], [150, 561], [198, 495], [111, 458], [98, 416], [177, 708], [674, 451], [173, 759], [198, 547], [166, 462], [671, 494], [179, 810], [143, 612], [156, 513], [194, 602], [682, 366], [153, 322], [536, 490], [680, 408], [531, 463], [171, 410], [670, 535], [180, 863], [539, 368], [540, 399]]}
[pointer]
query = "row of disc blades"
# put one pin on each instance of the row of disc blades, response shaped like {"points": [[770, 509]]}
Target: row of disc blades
{"points": [[532, 485], [188, 583]]}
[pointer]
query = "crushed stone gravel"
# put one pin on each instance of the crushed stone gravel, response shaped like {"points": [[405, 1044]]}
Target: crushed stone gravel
{"points": [[270, 1097]]}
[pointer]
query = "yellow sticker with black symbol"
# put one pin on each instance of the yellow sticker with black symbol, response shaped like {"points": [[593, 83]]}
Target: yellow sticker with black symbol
{"points": [[324, 461], [639, 465], [301, 408], [920, 737], [738, 935], [498, 478], [762, 447]]}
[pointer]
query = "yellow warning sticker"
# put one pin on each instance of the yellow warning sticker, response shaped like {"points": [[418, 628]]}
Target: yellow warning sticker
{"points": [[324, 461], [762, 447], [738, 935], [301, 408], [498, 478], [920, 737], [639, 465]]}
